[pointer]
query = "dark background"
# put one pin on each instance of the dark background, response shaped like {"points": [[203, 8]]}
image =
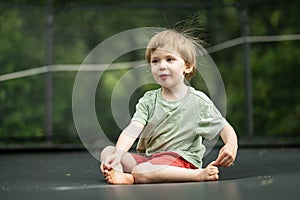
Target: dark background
{"points": [[261, 75]]}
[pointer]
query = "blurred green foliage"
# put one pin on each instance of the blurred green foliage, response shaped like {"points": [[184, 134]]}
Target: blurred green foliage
{"points": [[79, 26]]}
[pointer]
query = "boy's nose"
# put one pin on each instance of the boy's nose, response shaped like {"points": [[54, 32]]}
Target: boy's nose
{"points": [[163, 65]]}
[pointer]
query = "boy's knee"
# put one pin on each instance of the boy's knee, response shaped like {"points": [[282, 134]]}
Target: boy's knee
{"points": [[107, 150]]}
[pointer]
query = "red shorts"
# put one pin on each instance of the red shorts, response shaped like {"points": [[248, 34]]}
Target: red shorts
{"points": [[164, 158]]}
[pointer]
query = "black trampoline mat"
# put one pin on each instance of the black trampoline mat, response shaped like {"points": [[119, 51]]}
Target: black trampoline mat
{"points": [[257, 174]]}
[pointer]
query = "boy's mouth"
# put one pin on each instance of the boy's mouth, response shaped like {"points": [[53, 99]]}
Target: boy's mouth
{"points": [[164, 76]]}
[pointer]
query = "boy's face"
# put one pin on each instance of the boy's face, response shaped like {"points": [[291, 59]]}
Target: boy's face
{"points": [[167, 67]]}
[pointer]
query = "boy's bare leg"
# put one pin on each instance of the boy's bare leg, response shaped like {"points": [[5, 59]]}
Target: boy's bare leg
{"points": [[149, 173], [117, 175]]}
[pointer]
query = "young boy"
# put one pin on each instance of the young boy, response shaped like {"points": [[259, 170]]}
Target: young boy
{"points": [[171, 123]]}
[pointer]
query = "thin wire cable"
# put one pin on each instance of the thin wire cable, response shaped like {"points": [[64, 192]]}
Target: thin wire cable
{"points": [[127, 65], [252, 39]]}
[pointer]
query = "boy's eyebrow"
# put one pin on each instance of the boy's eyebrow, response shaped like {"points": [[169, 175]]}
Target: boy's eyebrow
{"points": [[167, 54]]}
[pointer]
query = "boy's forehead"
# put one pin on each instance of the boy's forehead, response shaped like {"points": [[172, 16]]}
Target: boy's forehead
{"points": [[165, 50]]}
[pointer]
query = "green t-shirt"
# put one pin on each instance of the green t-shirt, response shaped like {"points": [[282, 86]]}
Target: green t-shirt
{"points": [[177, 126]]}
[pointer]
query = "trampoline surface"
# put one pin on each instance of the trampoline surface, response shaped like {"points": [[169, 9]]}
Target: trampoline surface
{"points": [[260, 173]]}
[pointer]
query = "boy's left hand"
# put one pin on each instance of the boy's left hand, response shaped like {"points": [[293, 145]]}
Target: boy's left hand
{"points": [[226, 156]]}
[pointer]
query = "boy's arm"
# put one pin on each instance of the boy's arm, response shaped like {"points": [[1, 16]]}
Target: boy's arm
{"points": [[124, 143], [228, 152]]}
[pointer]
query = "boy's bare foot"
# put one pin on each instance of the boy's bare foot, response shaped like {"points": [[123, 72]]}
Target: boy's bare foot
{"points": [[115, 177], [210, 173]]}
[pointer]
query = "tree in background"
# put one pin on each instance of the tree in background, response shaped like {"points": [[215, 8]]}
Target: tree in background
{"points": [[80, 25]]}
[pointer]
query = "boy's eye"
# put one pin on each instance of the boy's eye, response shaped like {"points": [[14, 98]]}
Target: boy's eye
{"points": [[170, 59], [154, 61]]}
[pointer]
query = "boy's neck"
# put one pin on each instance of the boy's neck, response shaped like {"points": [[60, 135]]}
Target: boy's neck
{"points": [[174, 94]]}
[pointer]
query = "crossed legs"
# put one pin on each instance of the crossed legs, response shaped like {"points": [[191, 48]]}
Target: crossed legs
{"points": [[129, 172]]}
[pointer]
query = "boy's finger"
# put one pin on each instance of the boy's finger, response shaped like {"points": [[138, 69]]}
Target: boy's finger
{"points": [[113, 164], [213, 163], [106, 166], [220, 159], [225, 162]]}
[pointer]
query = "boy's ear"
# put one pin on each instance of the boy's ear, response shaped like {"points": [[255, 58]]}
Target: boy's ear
{"points": [[188, 69]]}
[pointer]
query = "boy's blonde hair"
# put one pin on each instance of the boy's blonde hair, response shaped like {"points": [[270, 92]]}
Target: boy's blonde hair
{"points": [[179, 42]]}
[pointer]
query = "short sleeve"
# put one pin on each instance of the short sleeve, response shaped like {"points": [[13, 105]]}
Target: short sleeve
{"points": [[211, 121], [144, 108]]}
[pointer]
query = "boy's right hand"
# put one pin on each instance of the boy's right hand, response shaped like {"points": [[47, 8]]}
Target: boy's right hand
{"points": [[103, 168], [113, 160]]}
